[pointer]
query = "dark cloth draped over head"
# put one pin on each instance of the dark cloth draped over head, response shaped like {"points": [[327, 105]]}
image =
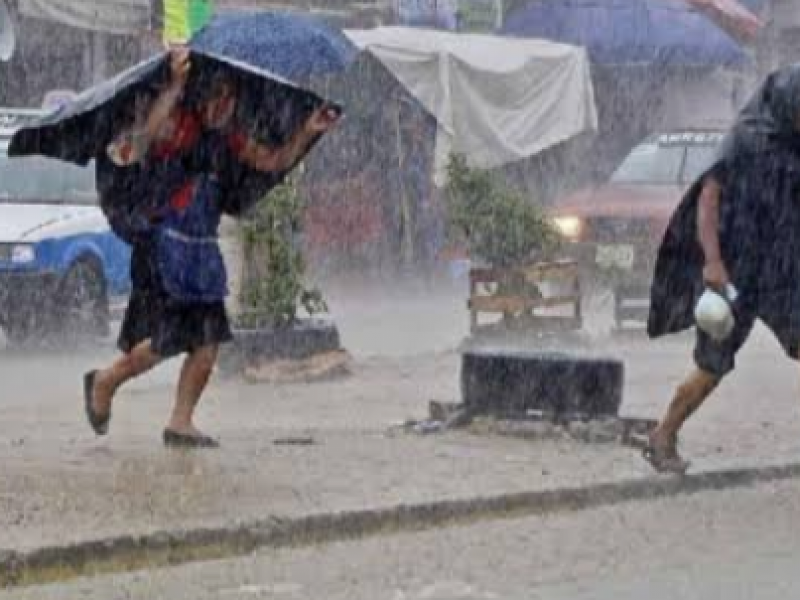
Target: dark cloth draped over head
{"points": [[269, 109], [758, 169], [133, 196]]}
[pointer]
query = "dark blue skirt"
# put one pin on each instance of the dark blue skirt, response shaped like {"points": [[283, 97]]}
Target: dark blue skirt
{"points": [[172, 327]]}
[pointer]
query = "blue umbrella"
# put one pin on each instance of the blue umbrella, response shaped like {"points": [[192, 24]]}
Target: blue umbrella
{"points": [[754, 5], [295, 47], [629, 32]]}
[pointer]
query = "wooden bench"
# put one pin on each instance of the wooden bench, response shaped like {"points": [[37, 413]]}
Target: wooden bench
{"points": [[519, 295]]}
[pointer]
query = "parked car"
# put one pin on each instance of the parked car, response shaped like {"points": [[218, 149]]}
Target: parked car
{"points": [[615, 229], [61, 268]]}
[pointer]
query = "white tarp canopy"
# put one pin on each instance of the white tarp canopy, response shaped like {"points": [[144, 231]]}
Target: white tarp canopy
{"points": [[496, 100], [110, 16]]}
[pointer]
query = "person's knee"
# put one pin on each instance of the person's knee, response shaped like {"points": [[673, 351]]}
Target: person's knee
{"points": [[701, 383], [141, 359], [131, 364]]}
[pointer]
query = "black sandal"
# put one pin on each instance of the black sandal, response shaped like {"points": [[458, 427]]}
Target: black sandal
{"points": [[665, 459], [99, 423], [173, 439]]}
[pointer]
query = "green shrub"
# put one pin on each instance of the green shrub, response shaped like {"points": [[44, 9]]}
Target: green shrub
{"points": [[496, 224], [273, 287]]}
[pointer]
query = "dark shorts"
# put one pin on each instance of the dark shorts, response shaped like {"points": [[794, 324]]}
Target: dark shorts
{"points": [[719, 357], [172, 327]]}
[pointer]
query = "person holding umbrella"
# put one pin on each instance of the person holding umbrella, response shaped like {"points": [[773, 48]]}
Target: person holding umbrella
{"points": [[737, 226], [178, 157]]}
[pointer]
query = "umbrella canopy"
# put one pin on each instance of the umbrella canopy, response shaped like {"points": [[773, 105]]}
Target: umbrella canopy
{"points": [[630, 32], [269, 108], [296, 47], [754, 6], [734, 17], [483, 91]]}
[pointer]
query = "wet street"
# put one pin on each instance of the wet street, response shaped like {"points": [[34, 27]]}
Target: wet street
{"points": [[406, 172], [59, 484], [428, 225], [405, 342], [733, 545]]}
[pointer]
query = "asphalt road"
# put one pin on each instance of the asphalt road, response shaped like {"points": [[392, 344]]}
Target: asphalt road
{"points": [[739, 544]]}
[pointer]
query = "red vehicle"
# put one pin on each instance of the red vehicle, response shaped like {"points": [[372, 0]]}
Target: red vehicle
{"points": [[615, 229]]}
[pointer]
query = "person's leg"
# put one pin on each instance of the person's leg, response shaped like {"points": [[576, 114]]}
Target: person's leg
{"points": [[714, 360], [689, 396], [194, 377], [135, 338], [128, 366]]}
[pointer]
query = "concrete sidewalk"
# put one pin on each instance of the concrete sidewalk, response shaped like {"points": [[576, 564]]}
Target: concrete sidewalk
{"points": [[60, 486]]}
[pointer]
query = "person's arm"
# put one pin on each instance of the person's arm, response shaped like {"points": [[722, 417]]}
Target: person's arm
{"points": [[275, 160], [715, 273], [132, 145]]}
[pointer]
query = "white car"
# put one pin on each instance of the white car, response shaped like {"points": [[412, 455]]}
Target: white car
{"points": [[60, 265]]}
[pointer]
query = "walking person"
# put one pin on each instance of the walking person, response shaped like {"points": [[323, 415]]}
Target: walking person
{"points": [[739, 225], [173, 158]]}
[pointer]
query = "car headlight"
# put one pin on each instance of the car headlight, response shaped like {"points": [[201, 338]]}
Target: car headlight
{"points": [[22, 254], [570, 227]]}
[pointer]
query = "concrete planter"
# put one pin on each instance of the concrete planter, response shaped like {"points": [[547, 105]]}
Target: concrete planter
{"points": [[516, 384], [304, 351], [307, 350]]}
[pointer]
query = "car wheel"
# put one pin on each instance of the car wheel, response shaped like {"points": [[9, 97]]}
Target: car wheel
{"points": [[83, 309]]}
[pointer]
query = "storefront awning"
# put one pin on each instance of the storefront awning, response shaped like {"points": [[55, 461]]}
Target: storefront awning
{"points": [[176, 19], [110, 16]]}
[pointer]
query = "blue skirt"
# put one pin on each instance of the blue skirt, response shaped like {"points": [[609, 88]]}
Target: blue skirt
{"points": [[172, 327]]}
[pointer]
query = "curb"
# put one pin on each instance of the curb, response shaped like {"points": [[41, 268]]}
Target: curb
{"points": [[171, 548]]}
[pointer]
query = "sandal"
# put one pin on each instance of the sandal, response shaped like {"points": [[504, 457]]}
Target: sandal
{"points": [[665, 459], [173, 439], [98, 422]]}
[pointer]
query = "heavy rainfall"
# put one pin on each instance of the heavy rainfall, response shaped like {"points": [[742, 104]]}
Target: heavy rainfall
{"points": [[399, 299]]}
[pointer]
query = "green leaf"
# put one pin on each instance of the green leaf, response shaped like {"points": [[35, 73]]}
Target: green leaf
{"points": [[497, 224], [274, 289]]}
